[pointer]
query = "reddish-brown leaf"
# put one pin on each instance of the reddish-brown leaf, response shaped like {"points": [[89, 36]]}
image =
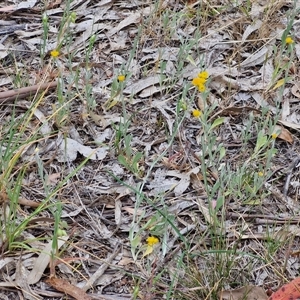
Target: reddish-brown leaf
{"points": [[67, 288], [290, 291]]}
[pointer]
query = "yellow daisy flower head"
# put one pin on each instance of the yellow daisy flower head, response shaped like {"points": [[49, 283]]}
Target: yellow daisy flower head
{"points": [[201, 88], [203, 74], [152, 240], [198, 80], [196, 113], [289, 40], [274, 135], [121, 78], [54, 53], [260, 174]]}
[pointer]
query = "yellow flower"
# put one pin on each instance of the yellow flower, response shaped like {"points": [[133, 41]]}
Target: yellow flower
{"points": [[197, 81], [200, 81], [196, 113], [203, 74], [54, 53], [260, 174], [201, 88], [152, 240], [274, 135], [121, 78], [289, 40]]}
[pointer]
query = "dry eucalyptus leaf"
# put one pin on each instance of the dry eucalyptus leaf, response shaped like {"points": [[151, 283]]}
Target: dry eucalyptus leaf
{"points": [[53, 178], [259, 99], [89, 28], [184, 182], [284, 134], [64, 286], [21, 282], [106, 120], [257, 8], [7, 263], [249, 292], [151, 90], [100, 271], [12, 8], [161, 106], [286, 111], [43, 260], [142, 84], [107, 279], [296, 90], [8, 8], [3, 51], [7, 80], [250, 28], [200, 102], [289, 291], [290, 124], [256, 58], [203, 208], [133, 211], [69, 148], [131, 19], [26, 4], [45, 128]]}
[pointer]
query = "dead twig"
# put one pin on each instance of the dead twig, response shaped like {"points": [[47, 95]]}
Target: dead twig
{"points": [[101, 270], [26, 91], [289, 176]]}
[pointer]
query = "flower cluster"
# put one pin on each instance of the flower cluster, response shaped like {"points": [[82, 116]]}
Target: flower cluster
{"points": [[152, 240], [200, 81]]}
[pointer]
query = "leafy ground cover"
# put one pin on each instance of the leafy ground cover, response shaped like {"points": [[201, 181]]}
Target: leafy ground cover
{"points": [[149, 150]]}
